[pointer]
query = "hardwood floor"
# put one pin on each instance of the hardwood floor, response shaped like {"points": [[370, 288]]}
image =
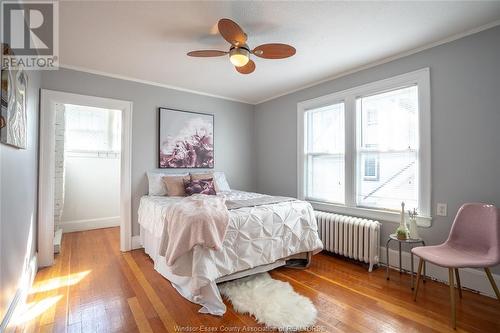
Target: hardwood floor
{"points": [[95, 288]]}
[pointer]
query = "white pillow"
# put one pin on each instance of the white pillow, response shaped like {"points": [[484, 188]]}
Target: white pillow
{"points": [[221, 181], [156, 184]]}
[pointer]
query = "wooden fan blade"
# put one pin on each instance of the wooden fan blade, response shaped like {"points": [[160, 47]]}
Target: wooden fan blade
{"points": [[274, 51], [206, 53], [232, 32], [247, 69]]}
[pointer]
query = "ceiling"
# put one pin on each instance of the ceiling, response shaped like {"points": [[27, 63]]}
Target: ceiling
{"points": [[148, 41]]}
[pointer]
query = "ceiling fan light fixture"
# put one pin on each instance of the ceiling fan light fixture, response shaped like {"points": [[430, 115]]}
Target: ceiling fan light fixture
{"points": [[239, 56], [239, 52]]}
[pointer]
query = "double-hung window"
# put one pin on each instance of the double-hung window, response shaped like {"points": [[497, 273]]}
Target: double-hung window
{"points": [[325, 154], [91, 129], [367, 149]]}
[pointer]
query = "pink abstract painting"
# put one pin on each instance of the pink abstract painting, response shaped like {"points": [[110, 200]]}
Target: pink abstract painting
{"points": [[186, 139]]}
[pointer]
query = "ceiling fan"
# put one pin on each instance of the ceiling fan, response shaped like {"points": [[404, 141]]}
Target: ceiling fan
{"points": [[239, 52]]}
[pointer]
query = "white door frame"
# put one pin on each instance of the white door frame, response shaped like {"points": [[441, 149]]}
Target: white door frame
{"points": [[48, 101]]}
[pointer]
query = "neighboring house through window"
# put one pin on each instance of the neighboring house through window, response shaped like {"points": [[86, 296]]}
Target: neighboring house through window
{"points": [[371, 168]]}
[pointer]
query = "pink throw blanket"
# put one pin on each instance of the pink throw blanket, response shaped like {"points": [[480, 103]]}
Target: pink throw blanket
{"points": [[195, 220]]}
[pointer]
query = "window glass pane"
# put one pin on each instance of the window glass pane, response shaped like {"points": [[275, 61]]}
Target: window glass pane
{"points": [[116, 131], [389, 121], [325, 165], [91, 129], [326, 178], [396, 182], [388, 149], [326, 129]]}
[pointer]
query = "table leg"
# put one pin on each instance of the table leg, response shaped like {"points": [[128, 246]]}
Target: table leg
{"points": [[425, 265], [387, 259], [411, 258], [400, 266]]}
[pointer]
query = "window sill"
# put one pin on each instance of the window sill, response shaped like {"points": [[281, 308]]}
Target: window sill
{"points": [[111, 154], [375, 214]]}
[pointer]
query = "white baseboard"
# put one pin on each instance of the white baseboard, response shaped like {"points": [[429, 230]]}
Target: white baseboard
{"points": [[136, 242], [21, 294], [470, 278], [82, 225]]}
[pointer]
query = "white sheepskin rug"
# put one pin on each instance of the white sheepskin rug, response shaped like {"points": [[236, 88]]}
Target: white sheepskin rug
{"points": [[272, 302]]}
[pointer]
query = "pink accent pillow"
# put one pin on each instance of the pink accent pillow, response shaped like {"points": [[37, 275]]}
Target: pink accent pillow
{"points": [[201, 186], [175, 185]]}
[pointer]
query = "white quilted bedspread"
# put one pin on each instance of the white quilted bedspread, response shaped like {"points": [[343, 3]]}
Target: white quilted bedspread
{"points": [[255, 236]]}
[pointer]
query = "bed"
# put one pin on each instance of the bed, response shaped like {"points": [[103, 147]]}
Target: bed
{"points": [[258, 238]]}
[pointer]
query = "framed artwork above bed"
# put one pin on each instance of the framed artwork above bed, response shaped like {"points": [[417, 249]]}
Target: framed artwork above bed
{"points": [[186, 139]]}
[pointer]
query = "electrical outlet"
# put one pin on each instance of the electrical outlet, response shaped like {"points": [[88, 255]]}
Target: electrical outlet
{"points": [[441, 209]]}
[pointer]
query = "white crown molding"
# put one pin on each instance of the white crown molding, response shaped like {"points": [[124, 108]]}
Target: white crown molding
{"points": [[151, 83], [388, 59]]}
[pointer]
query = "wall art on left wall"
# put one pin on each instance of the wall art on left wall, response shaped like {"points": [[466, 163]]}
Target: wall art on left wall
{"points": [[186, 139], [13, 107]]}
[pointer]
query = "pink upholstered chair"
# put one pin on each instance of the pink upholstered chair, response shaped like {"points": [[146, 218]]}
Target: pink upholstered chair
{"points": [[474, 241]]}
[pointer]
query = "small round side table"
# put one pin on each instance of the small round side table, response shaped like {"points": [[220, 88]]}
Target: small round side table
{"points": [[393, 237]]}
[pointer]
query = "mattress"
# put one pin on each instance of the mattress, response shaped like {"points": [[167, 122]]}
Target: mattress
{"points": [[256, 236]]}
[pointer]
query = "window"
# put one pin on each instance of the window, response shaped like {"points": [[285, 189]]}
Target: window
{"points": [[371, 168], [91, 129], [394, 139], [325, 153], [366, 149]]}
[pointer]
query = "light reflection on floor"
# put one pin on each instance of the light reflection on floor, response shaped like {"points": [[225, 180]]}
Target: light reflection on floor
{"points": [[58, 282], [36, 308]]}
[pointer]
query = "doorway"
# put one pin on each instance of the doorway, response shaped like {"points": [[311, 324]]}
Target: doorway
{"points": [[87, 168], [85, 165]]}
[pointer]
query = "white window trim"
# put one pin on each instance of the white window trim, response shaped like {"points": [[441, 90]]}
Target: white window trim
{"points": [[422, 79]]}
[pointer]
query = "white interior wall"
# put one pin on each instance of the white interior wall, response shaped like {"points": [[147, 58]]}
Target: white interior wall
{"points": [[92, 192]]}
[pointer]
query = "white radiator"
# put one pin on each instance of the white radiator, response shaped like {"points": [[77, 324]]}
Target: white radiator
{"points": [[352, 237]]}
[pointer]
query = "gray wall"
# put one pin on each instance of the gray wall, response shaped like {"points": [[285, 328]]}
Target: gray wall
{"points": [[465, 94], [18, 201], [234, 144]]}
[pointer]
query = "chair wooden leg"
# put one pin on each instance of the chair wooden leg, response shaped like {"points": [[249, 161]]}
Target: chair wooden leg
{"points": [[419, 273], [452, 298], [459, 286], [492, 281]]}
